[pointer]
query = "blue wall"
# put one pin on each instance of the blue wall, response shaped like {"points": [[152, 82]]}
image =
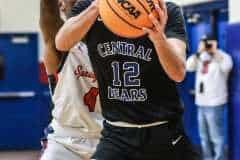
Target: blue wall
{"points": [[233, 47], [23, 100], [195, 32], [229, 38]]}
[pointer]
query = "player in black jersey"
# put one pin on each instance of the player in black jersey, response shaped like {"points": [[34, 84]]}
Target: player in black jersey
{"points": [[137, 80]]}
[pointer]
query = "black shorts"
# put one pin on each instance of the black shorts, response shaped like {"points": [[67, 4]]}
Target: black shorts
{"points": [[163, 142]]}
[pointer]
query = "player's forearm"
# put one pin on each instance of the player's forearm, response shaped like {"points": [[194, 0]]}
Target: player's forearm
{"points": [[76, 28], [51, 59], [171, 59], [50, 20]]}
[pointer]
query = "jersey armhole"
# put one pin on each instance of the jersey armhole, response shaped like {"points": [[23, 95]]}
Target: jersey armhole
{"points": [[62, 61]]}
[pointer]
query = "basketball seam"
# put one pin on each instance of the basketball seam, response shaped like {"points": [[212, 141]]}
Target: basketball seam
{"points": [[122, 17], [145, 9]]}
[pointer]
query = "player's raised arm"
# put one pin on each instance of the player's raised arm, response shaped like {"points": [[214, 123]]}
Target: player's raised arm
{"points": [[169, 39], [76, 27], [50, 22]]}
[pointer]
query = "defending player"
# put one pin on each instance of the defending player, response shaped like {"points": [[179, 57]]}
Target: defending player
{"points": [[139, 97], [76, 117]]}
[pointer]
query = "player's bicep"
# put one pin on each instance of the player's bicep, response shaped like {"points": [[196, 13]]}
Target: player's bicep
{"points": [[51, 58], [50, 21]]}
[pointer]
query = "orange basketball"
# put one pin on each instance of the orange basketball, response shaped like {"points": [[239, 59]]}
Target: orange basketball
{"points": [[127, 17]]}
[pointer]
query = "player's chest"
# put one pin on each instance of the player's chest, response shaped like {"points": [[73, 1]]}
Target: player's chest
{"points": [[113, 49], [107, 48]]}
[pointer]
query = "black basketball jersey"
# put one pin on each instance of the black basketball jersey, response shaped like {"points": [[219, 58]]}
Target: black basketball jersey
{"points": [[134, 88]]}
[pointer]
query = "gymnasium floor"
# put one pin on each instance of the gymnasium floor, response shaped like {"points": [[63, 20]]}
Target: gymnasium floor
{"points": [[19, 155]]}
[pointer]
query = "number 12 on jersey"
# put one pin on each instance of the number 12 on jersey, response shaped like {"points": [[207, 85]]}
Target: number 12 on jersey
{"points": [[131, 72], [126, 83]]}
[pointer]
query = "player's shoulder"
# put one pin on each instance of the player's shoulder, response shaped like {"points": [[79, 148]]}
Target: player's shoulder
{"points": [[172, 6], [79, 7], [174, 11], [79, 48]]}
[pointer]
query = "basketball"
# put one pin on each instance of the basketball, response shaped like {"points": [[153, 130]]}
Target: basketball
{"points": [[127, 17]]}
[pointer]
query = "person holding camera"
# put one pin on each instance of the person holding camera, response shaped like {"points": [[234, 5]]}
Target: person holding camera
{"points": [[212, 67]]}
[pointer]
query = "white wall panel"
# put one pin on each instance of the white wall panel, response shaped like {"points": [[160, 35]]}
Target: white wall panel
{"points": [[234, 11], [188, 2], [19, 15]]}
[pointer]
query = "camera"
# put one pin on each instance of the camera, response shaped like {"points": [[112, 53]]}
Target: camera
{"points": [[207, 40], [207, 44]]}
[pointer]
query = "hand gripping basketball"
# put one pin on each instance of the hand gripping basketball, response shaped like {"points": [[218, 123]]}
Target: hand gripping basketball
{"points": [[126, 18], [157, 31]]}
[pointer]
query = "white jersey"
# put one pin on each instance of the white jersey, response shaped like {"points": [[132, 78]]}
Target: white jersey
{"points": [[76, 99]]}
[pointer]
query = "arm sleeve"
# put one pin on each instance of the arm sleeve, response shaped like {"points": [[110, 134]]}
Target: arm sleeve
{"points": [[79, 7], [192, 63], [175, 27]]}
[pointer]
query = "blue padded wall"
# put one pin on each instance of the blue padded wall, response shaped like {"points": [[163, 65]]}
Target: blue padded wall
{"points": [[233, 47], [23, 104]]}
